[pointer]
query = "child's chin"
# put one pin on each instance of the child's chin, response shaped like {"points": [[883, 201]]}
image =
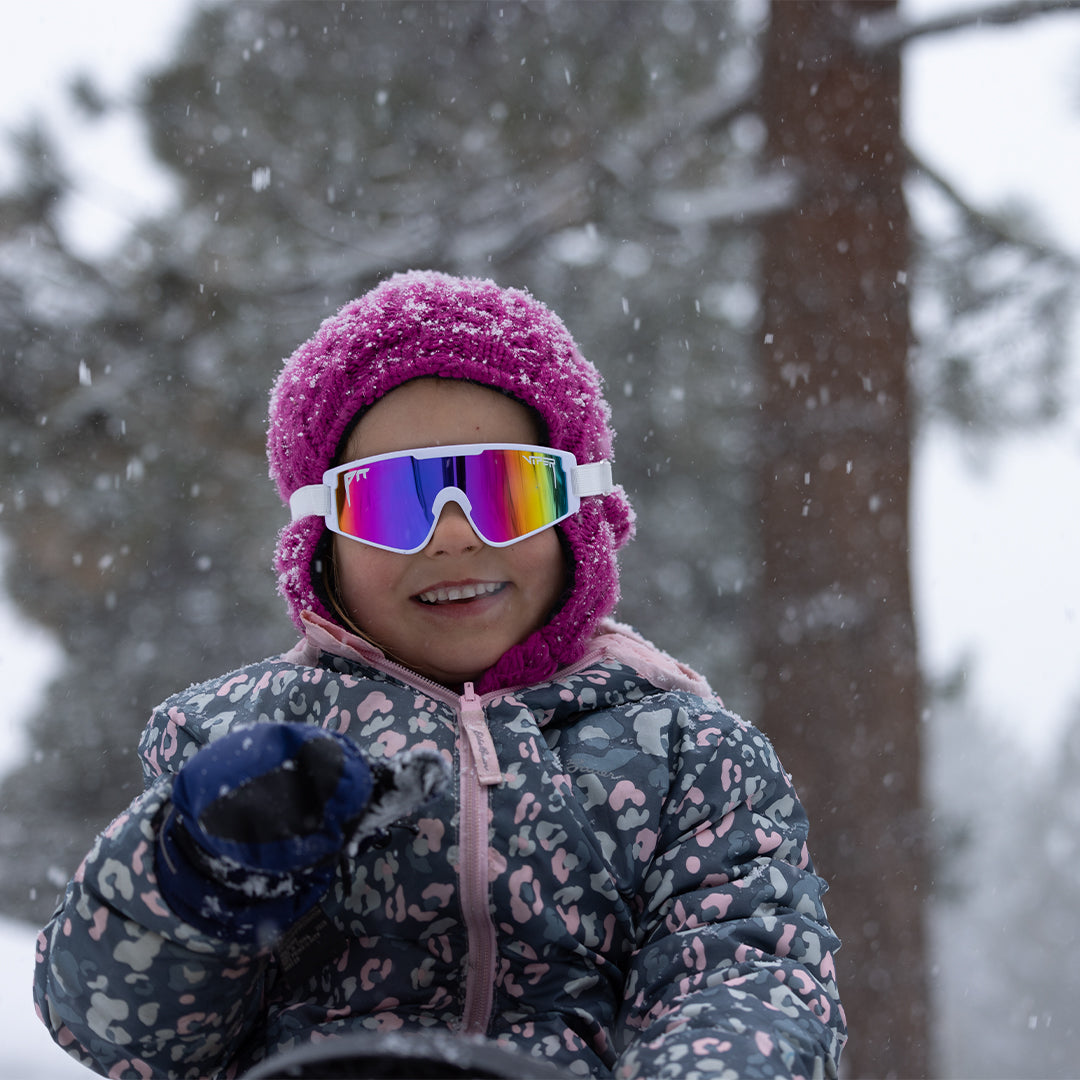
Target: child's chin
{"points": [[451, 670]]}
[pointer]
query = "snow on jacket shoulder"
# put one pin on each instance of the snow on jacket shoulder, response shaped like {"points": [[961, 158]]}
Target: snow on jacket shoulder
{"points": [[618, 882]]}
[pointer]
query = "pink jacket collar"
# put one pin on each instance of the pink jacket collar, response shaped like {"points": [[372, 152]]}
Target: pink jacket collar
{"points": [[612, 641]]}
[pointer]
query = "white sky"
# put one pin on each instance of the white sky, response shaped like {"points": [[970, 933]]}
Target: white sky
{"points": [[996, 109], [996, 564], [45, 44]]}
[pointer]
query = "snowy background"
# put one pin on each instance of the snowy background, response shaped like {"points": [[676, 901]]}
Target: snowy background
{"points": [[996, 524], [998, 112]]}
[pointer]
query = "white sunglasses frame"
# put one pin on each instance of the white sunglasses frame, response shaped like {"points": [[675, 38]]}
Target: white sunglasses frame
{"points": [[317, 500]]}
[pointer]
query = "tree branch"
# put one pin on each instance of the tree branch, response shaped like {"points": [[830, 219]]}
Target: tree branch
{"points": [[762, 196], [989, 225], [889, 31]]}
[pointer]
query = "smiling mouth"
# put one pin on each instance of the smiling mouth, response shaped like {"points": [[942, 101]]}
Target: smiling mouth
{"points": [[460, 592]]}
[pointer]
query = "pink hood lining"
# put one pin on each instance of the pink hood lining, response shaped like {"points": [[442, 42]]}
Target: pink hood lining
{"points": [[612, 641]]}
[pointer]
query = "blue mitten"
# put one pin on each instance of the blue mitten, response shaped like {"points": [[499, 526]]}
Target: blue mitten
{"points": [[261, 818]]}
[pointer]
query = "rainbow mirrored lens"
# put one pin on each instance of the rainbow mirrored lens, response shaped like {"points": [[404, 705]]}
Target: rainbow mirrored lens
{"points": [[512, 493]]}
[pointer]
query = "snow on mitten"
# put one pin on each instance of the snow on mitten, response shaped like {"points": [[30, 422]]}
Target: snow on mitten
{"points": [[261, 818]]}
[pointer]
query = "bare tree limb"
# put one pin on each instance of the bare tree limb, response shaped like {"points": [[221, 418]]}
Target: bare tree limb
{"points": [[889, 31], [986, 224]]}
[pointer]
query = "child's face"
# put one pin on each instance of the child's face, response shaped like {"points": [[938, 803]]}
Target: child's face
{"points": [[450, 641]]}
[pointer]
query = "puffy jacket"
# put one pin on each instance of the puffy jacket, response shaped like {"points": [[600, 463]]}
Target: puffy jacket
{"points": [[617, 882]]}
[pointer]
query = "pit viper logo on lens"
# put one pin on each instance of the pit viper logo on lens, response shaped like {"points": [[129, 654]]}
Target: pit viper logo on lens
{"points": [[540, 459]]}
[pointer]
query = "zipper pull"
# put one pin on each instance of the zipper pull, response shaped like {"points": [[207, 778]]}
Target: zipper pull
{"points": [[480, 741]]}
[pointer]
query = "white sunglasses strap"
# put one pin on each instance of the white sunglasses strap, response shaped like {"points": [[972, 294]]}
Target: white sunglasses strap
{"points": [[592, 479], [312, 499]]}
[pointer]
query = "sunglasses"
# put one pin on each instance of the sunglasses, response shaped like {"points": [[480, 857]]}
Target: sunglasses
{"points": [[507, 491]]}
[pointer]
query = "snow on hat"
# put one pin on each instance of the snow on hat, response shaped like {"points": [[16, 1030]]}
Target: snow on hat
{"points": [[422, 324]]}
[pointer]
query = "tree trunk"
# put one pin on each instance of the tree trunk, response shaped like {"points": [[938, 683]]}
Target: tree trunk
{"points": [[835, 658]]}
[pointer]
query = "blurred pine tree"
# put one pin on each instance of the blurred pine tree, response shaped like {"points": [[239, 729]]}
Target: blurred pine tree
{"points": [[318, 147]]}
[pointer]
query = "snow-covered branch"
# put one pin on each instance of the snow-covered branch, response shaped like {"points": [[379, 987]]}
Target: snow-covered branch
{"points": [[890, 30], [763, 195]]}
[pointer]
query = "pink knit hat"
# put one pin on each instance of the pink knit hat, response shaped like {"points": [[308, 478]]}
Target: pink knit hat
{"points": [[421, 324]]}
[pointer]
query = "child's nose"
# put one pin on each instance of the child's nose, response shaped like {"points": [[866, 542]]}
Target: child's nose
{"points": [[453, 534]]}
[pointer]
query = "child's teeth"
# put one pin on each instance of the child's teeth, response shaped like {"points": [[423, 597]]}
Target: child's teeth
{"points": [[458, 592]]}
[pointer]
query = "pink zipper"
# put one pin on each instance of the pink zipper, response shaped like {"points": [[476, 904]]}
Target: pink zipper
{"points": [[479, 770], [480, 742]]}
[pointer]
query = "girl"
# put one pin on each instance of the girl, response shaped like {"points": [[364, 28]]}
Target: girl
{"points": [[467, 801]]}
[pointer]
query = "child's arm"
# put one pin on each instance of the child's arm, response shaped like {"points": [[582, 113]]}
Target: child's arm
{"points": [[123, 984], [735, 964], [160, 960]]}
